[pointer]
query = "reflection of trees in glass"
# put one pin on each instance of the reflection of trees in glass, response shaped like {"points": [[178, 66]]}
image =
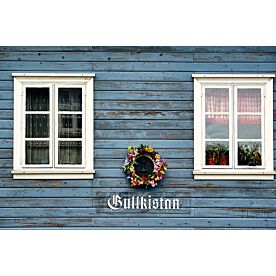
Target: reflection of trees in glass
{"points": [[217, 154], [249, 154]]}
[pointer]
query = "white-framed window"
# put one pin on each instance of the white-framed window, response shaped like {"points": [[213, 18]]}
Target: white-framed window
{"points": [[233, 126], [53, 126]]}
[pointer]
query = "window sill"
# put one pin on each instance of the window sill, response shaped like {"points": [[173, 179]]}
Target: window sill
{"points": [[234, 175], [50, 174]]}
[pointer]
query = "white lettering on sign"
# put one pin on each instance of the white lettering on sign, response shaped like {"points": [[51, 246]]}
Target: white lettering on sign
{"points": [[117, 202]]}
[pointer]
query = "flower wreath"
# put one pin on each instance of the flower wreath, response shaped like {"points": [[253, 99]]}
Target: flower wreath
{"points": [[151, 179]]}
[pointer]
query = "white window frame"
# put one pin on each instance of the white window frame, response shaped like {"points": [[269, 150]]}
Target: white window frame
{"points": [[234, 81], [53, 170]]}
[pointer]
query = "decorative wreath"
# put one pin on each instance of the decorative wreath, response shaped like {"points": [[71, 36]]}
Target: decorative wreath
{"points": [[144, 166]]}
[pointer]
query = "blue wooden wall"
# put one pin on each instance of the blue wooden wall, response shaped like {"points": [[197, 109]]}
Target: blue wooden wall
{"points": [[142, 95]]}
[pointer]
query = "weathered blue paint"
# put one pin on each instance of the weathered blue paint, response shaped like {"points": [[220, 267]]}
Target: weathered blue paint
{"points": [[142, 95]]}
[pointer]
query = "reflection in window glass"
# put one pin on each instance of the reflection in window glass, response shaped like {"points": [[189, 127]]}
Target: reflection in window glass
{"points": [[37, 126], [249, 127], [37, 152], [69, 126], [249, 154], [217, 153], [37, 99], [217, 126], [70, 99], [70, 152]]}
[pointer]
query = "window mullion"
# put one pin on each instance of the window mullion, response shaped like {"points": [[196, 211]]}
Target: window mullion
{"points": [[234, 126], [54, 120]]}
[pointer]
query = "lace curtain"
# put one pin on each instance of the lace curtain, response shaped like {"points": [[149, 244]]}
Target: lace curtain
{"points": [[248, 100]]}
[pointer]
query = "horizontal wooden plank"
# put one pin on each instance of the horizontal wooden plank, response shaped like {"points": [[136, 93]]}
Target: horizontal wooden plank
{"points": [[190, 223], [48, 183], [6, 105], [144, 115], [157, 144], [17, 66], [129, 134], [142, 134], [45, 48], [6, 153], [6, 124], [6, 143], [94, 56], [235, 57], [6, 95], [136, 66], [127, 76], [143, 86], [143, 105], [188, 49], [128, 191], [138, 56], [170, 183], [167, 66], [146, 49], [45, 202], [6, 114], [143, 124], [142, 95], [5, 163], [108, 213], [138, 76], [5, 133]]}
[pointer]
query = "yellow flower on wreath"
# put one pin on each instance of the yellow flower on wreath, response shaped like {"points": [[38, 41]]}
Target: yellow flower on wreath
{"points": [[157, 156], [150, 149]]}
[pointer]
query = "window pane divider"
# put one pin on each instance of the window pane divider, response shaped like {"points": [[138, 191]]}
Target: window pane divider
{"points": [[69, 139], [215, 140], [248, 140], [37, 139], [70, 112], [217, 113], [249, 113], [38, 112]]}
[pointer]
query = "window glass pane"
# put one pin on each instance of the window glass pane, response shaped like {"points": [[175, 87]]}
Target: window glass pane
{"points": [[37, 152], [216, 100], [249, 100], [37, 99], [249, 127], [69, 99], [37, 126], [217, 126], [217, 153], [70, 126], [249, 154], [70, 152]]}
